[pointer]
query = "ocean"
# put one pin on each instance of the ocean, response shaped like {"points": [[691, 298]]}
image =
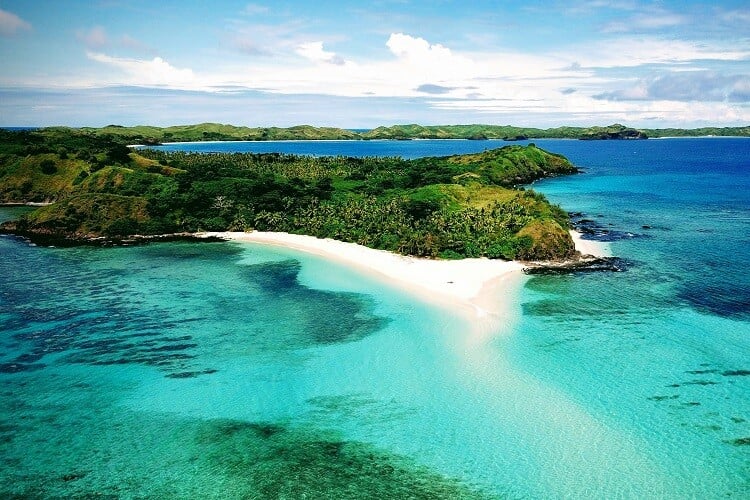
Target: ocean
{"points": [[230, 370]]}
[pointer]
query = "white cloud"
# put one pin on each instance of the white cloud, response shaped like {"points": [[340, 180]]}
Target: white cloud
{"points": [[156, 71], [690, 86], [589, 111], [630, 51], [445, 80], [314, 52], [481, 82], [409, 47], [10, 24], [95, 38]]}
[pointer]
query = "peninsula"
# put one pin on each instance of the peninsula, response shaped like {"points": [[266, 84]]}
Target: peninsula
{"points": [[99, 190]]}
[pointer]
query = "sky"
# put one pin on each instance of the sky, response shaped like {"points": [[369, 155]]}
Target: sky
{"points": [[383, 62]]}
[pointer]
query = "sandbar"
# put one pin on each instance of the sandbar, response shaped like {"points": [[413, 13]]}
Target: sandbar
{"points": [[482, 290], [469, 285]]}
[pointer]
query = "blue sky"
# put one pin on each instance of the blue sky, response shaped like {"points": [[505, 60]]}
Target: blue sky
{"points": [[363, 64]]}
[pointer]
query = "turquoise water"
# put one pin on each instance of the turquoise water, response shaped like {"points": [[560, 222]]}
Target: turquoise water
{"points": [[233, 370], [663, 350]]}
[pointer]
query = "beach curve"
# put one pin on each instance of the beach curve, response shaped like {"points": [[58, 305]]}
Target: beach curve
{"points": [[464, 283], [482, 290]]}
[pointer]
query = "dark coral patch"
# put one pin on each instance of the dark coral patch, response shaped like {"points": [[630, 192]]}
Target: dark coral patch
{"points": [[743, 441], [20, 367], [190, 374], [699, 382], [662, 398], [266, 460]]}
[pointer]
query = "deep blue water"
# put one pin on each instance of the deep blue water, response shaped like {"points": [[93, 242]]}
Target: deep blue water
{"points": [[228, 370]]}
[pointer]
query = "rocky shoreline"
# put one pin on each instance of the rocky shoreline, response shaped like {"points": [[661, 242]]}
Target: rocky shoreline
{"points": [[582, 264], [51, 239], [596, 231]]}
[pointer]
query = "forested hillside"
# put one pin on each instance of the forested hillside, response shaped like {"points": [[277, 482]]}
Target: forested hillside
{"points": [[450, 207]]}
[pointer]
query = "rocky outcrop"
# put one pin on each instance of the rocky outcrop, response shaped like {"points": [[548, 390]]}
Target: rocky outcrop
{"points": [[577, 265], [45, 237]]}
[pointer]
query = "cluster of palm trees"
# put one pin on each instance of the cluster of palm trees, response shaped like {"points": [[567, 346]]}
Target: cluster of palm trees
{"points": [[386, 224], [369, 201]]}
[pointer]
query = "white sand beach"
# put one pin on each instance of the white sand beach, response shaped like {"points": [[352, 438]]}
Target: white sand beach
{"points": [[480, 289], [470, 284], [590, 247]]}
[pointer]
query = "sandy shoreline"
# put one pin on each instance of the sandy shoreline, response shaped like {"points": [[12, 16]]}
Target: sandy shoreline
{"points": [[481, 290], [590, 247]]}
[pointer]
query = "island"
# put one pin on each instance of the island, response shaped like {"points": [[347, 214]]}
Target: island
{"points": [[502, 132], [100, 191], [150, 135]]}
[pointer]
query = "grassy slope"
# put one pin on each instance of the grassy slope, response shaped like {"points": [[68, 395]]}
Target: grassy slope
{"points": [[514, 165], [23, 179], [456, 196], [90, 215]]}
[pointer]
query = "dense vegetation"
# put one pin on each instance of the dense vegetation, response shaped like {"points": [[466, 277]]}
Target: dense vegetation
{"points": [[215, 131], [450, 207]]}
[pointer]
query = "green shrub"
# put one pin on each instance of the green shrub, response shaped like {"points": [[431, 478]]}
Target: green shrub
{"points": [[48, 167]]}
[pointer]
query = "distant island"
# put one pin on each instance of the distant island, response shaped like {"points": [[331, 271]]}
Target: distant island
{"points": [[101, 191], [148, 135]]}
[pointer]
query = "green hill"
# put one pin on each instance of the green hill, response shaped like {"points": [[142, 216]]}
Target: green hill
{"points": [[451, 207], [504, 132], [218, 132]]}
